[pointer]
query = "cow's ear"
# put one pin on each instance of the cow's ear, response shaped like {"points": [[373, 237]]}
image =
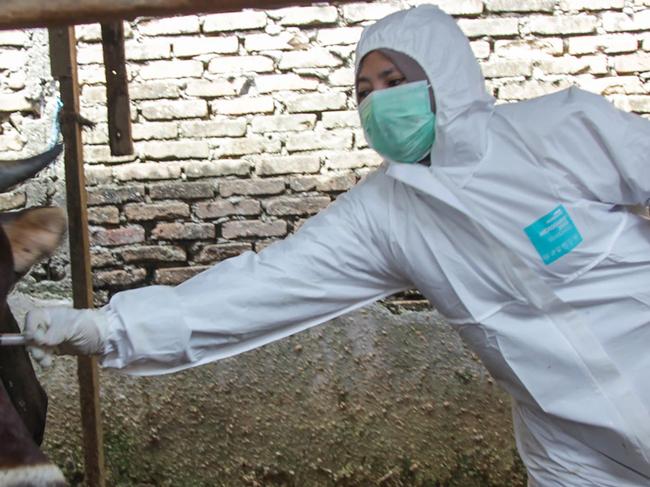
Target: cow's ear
{"points": [[34, 234]]}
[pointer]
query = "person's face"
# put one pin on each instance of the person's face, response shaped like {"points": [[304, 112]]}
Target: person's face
{"points": [[377, 72]]}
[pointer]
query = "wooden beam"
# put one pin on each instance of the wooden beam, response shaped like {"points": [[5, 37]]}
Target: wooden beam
{"points": [[63, 56], [117, 90], [43, 13]]}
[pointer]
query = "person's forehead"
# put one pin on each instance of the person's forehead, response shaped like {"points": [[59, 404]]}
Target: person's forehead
{"points": [[373, 63]]}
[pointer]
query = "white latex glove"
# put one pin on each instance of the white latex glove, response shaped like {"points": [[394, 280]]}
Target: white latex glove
{"points": [[63, 330]]}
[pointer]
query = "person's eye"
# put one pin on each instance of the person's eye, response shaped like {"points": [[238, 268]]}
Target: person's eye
{"points": [[396, 82], [363, 93]]}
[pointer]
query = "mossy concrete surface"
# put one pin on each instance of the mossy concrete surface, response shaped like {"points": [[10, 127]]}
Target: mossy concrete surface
{"points": [[372, 398]]}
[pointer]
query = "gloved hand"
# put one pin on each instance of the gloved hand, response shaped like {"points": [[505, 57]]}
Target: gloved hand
{"points": [[63, 330]]}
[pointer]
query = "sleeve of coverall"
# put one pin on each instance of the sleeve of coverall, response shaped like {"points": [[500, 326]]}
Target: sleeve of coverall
{"points": [[613, 147], [335, 263]]}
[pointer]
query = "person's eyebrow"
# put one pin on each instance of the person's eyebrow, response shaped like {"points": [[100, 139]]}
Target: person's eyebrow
{"points": [[383, 75]]}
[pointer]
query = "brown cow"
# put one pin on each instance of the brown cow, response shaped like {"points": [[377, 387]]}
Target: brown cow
{"points": [[25, 237]]}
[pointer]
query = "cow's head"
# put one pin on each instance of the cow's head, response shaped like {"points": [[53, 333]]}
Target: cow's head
{"points": [[26, 237]]}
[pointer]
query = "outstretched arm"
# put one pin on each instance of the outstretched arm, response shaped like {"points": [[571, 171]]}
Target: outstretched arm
{"points": [[338, 261]]}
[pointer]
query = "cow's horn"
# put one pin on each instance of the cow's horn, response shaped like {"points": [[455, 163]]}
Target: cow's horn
{"points": [[14, 172]]}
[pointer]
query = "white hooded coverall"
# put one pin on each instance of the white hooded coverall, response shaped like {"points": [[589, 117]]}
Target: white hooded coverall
{"points": [[546, 179]]}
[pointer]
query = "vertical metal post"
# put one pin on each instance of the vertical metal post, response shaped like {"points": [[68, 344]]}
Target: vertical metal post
{"points": [[63, 58]]}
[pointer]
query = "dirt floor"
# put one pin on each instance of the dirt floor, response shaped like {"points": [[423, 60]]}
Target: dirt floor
{"points": [[376, 398]]}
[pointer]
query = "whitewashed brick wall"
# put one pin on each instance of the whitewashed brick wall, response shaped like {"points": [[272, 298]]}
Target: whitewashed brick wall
{"points": [[245, 125]]}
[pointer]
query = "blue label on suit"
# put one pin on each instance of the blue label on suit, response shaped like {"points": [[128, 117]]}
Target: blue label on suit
{"points": [[554, 235]]}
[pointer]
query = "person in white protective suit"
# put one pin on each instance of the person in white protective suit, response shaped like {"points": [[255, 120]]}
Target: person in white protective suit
{"points": [[512, 220]]}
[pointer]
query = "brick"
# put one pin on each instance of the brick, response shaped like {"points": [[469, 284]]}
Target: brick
{"points": [[167, 210], [147, 170], [519, 6], [170, 26], [315, 102], [255, 144], [506, 68], [620, 22], [11, 143], [288, 206], [278, 82], [231, 65], [17, 81], [154, 253], [215, 88], [529, 49], [253, 228], [267, 42], [495, 27], [102, 258], [196, 46], [154, 130], [183, 231], [100, 215], [118, 278], [624, 85], [316, 57], [303, 16], [562, 25], [609, 44], [114, 195], [91, 74], [234, 21], [248, 187], [632, 63], [455, 7], [272, 166], [573, 65], [221, 208], [93, 95], [183, 191], [171, 70], [220, 127], [324, 183], [146, 50], [283, 123], [14, 38], [224, 167], [13, 200], [353, 159], [90, 55], [211, 254], [338, 36], [315, 140], [154, 90], [572, 5], [94, 154], [15, 102], [176, 275], [342, 77], [184, 149], [633, 103], [359, 12], [244, 105], [129, 234], [174, 109], [13, 60], [98, 175]]}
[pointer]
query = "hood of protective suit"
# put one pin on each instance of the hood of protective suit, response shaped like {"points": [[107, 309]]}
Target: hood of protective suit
{"points": [[463, 106]]}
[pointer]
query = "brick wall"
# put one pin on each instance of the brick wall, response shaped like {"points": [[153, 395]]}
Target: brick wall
{"points": [[245, 125]]}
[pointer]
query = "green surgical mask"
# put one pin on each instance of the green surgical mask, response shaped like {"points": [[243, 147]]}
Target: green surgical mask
{"points": [[399, 123]]}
